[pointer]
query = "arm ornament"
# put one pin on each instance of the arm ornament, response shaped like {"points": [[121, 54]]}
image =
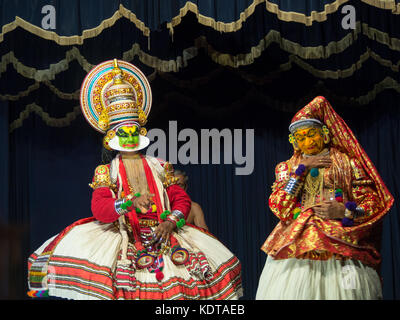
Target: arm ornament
{"points": [[169, 178], [176, 217], [295, 182], [178, 214], [101, 178], [293, 186], [121, 206]]}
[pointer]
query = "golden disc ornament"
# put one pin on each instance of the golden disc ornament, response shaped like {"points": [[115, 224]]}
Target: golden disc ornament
{"points": [[113, 92]]}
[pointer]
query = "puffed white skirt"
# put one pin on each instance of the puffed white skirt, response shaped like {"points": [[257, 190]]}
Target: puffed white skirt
{"points": [[84, 262], [304, 279]]}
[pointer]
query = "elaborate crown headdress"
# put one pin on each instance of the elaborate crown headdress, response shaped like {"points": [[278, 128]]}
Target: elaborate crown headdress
{"points": [[113, 94]]}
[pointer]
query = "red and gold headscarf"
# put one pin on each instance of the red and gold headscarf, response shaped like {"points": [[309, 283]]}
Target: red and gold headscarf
{"points": [[343, 139], [309, 233]]}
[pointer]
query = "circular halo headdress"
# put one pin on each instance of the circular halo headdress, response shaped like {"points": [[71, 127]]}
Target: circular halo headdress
{"points": [[115, 93]]}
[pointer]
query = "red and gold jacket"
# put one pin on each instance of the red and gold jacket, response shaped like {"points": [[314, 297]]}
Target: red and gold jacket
{"points": [[309, 236], [161, 182]]}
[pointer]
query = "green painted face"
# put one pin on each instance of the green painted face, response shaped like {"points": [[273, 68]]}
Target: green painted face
{"points": [[128, 137]]}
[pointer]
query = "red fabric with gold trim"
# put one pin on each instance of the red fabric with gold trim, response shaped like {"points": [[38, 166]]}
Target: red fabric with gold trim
{"points": [[343, 139], [103, 203], [309, 232]]}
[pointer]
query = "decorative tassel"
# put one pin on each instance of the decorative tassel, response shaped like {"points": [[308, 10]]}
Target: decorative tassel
{"points": [[38, 293], [351, 205], [171, 31], [300, 170], [314, 172], [164, 215], [346, 222], [180, 223], [159, 275]]}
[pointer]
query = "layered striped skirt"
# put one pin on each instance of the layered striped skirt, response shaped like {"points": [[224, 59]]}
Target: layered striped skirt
{"points": [[83, 262]]}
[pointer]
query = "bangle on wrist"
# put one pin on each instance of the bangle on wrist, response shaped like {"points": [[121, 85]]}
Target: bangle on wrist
{"points": [[172, 218], [121, 206], [176, 217], [180, 218], [295, 182], [293, 186], [178, 222], [178, 214]]}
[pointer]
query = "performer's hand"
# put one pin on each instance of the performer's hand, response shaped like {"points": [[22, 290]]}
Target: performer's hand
{"points": [[316, 162], [143, 202], [329, 210], [163, 231]]}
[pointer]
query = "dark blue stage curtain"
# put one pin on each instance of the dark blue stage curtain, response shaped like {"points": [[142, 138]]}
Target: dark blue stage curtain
{"points": [[50, 169], [4, 153], [4, 211], [235, 64]]}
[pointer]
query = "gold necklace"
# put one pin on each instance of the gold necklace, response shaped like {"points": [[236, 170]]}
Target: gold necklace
{"points": [[313, 187]]}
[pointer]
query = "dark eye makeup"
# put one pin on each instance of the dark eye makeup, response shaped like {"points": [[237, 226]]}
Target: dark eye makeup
{"points": [[122, 133]]}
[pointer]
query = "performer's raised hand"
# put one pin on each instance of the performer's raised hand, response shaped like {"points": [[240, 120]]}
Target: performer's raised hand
{"points": [[144, 202], [316, 162]]}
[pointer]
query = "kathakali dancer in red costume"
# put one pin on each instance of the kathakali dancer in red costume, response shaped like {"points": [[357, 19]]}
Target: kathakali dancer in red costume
{"points": [[136, 245], [330, 201]]}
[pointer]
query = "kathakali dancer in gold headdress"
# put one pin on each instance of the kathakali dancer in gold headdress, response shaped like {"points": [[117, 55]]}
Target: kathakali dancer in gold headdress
{"points": [[330, 201], [137, 244]]}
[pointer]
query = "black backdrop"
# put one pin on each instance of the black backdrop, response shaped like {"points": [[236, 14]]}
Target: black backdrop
{"points": [[46, 162]]}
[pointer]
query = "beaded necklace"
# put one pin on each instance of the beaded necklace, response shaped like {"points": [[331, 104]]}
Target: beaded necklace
{"points": [[313, 186]]}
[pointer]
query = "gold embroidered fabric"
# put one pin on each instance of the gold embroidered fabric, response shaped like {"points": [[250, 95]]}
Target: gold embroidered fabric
{"points": [[148, 223], [169, 178], [293, 238], [101, 178], [321, 255]]}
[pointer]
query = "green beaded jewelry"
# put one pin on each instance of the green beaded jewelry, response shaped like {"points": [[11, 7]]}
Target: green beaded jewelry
{"points": [[164, 215], [180, 223], [126, 204]]}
